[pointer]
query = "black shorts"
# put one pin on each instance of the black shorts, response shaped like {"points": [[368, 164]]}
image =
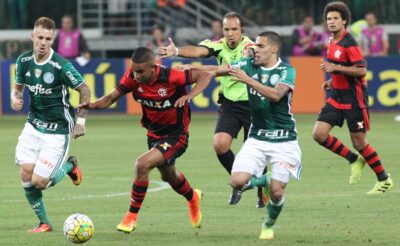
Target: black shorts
{"points": [[357, 118], [171, 147], [232, 116]]}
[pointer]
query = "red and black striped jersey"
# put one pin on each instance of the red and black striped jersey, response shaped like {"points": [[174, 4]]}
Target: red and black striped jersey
{"points": [[157, 98], [347, 91]]}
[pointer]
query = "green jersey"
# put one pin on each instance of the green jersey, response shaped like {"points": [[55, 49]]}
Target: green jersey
{"points": [[271, 121], [232, 90], [50, 110]]}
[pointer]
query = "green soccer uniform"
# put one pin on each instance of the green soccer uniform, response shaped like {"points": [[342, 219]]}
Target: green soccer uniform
{"points": [[271, 121], [50, 110], [232, 90]]}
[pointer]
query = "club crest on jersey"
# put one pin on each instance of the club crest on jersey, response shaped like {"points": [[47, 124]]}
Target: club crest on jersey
{"points": [[264, 78], [48, 78], [274, 79], [337, 54], [162, 92], [38, 72]]}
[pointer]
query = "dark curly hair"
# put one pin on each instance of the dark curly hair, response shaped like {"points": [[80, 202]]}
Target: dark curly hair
{"points": [[338, 7]]}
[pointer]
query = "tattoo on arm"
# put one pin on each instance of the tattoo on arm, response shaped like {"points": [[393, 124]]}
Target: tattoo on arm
{"points": [[282, 90], [84, 97]]}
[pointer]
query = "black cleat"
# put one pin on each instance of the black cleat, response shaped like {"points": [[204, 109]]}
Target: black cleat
{"points": [[235, 196]]}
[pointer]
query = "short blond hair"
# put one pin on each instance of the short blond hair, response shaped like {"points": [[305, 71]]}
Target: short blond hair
{"points": [[46, 23]]}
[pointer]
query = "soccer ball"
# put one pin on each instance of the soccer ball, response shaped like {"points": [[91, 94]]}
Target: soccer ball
{"points": [[78, 228]]}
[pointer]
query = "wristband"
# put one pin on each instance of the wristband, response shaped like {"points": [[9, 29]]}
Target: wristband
{"points": [[81, 121], [176, 52]]}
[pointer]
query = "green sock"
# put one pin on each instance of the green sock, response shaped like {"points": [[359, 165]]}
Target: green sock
{"points": [[66, 167], [34, 197], [260, 182], [273, 211]]}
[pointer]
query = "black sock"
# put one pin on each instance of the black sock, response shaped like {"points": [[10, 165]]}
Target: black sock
{"points": [[226, 160]]}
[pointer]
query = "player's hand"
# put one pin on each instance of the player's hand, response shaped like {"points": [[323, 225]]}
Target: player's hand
{"points": [[248, 52], [17, 101], [183, 67], [79, 130], [181, 101], [167, 51], [238, 75], [86, 106], [327, 67], [327, 85]]}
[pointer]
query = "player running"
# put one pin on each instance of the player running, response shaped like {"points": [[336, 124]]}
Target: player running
{"points": [[166, 116], [43, 145], [273, 136], [233, 113], [348, 100]]}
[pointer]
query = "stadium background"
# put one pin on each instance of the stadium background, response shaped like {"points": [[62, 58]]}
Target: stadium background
{"points": [[321, 209]]}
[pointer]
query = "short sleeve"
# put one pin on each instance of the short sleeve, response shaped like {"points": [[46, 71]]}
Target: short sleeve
{"points": [[287, 77], [19, 80], [71, 76], [214, 47], [180, 78], [126, 83], [355, 56]]}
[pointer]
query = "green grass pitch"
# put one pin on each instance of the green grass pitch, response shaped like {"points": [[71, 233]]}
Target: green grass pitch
{"points": [[320, 209]]}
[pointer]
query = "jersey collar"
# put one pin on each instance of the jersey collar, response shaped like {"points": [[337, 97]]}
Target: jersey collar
{"points": [[46, 61], [273, 67]]}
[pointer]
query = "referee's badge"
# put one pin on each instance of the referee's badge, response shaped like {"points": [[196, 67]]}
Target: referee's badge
{"points": [[48, 78]]}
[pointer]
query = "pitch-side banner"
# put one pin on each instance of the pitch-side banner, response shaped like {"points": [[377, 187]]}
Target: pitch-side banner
{"points": [[100, 75]]}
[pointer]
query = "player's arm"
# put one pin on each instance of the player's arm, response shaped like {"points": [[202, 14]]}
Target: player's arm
{"points": [[353, 71], [17, 101], [202, 80], [273, 94], [103, 102], [84, 97], [187, 51]]}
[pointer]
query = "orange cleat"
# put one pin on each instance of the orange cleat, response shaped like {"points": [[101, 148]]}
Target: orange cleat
{"points": [[42, 227], [75, 174], [194, 208], [128, 224]]}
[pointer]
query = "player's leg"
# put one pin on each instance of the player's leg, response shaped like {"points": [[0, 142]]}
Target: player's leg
{"points": [[358, 124], [144, 164], [285, 162], [27, 152], [328, 118]]}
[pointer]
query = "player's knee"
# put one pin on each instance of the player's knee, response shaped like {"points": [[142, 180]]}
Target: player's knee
{"points": [[40, 184], [237, 182], [142, 168], [26, 175], [221, 146], [276, 195], [319, 137]]}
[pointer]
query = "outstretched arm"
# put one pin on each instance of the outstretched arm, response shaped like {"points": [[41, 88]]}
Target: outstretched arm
{"points": [[17, 101], [103, 102], [84, 97], [187, 51], [202, 80], [352, 71], [274, 94]]}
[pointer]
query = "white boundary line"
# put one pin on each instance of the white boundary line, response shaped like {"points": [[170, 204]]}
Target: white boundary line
{"points": [[161, 186]]}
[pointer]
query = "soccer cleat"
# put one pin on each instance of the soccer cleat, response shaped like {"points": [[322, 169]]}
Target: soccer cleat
{"points": [[356, 168], [194, 208], [235, 196], [381, 186], [75, 174], [267, 232], [128, 223], [42, 227]]}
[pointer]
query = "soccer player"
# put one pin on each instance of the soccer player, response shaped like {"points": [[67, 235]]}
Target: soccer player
{"points": [[348, 100], [273, 136], [166, 116], [233, 113], [43, 145]]}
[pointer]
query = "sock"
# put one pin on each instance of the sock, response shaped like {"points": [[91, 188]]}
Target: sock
{"points": [[66, 167], [273, 211], [260, 182], [336, 146], [183, 188], [226, 160], [34, 197], [139, 189], [374, 162]]}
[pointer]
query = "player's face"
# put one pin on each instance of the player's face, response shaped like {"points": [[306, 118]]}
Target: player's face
{"points": [[42, 40], [143, 72], [264, 51], [335, 22], [232, 31]]}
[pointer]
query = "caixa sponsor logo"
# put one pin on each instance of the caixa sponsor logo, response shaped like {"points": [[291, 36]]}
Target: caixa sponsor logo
{"points": [[39, 89], [45, 125]]}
